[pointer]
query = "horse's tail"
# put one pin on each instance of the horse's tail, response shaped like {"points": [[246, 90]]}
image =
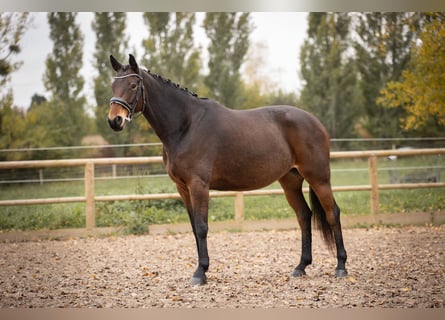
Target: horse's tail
{"points": [[320, 220]]}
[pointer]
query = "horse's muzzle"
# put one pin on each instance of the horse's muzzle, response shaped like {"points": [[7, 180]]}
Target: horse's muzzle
{"points": [[117, 124]]}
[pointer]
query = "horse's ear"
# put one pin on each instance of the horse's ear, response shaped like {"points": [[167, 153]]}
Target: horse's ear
{"points": [[133, 63], [115, 64]]}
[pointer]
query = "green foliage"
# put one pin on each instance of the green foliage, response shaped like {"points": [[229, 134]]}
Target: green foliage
{"points": [[137, 215], [348, 59], [64, 118], [51, 124], [63, 64], [229, 41], [170, 49], [110, 39], [12, 120], [42, 217], [12, 28], [420, 91], [12, 129], [383, 52], [330, 90], [345, 61]]}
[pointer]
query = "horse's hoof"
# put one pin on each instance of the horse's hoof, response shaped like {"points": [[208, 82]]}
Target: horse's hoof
{"points": [[341, 273], [198, 281], [298, 273]]}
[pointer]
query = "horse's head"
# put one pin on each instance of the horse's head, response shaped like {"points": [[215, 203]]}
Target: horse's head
{"points": [[128, 93]]}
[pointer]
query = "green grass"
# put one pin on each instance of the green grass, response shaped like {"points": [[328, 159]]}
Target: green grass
{"points": [[135, 215]]}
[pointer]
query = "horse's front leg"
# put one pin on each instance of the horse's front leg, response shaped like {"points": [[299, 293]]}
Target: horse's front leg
{"points": [[199, 199]]}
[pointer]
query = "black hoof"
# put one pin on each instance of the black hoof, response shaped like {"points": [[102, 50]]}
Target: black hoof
{"points": [[298, 273], [198, 281], [341, 273]]}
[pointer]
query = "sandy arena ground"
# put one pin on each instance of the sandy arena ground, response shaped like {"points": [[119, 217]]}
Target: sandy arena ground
{"points": [[388, 267]]}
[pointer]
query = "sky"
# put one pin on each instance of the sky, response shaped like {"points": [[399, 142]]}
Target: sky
{"points": [[282, 35]]}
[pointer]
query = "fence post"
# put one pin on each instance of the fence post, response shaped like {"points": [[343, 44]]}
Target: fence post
{"points": [[239, 207], [374, 184], [89, 195], [41, 176]]}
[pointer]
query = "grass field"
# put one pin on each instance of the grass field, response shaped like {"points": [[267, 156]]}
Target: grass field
{"points": [[135, 215]]}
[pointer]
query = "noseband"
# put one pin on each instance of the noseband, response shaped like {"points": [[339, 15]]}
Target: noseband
{"points": [[123, 103]]}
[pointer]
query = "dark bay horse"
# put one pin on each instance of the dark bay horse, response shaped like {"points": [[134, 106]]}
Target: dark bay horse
{"points": [[208, 146]]}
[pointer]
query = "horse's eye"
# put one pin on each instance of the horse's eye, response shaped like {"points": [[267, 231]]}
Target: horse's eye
{"points": [[134, 86]]}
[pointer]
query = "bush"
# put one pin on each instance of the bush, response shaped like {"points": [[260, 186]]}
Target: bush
{"points": [[137, 214]]}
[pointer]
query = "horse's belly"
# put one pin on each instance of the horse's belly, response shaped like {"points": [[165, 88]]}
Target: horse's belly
{"points": [[243, 183], [248, 174], [224, 184]]}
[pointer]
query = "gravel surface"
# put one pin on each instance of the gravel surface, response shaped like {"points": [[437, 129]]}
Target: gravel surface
{"points": [[389, 267]]}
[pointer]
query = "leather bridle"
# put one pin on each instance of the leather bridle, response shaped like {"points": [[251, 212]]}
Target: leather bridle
{"points": [[140, 92]]}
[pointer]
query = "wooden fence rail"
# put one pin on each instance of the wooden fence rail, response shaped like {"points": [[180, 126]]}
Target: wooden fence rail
{"points": [[90, 198]]}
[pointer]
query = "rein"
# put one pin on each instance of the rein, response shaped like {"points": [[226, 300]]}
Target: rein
{"points": [[131, 109]]}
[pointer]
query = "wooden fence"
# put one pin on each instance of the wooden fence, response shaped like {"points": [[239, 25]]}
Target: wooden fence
{"points": [[90, 198]]}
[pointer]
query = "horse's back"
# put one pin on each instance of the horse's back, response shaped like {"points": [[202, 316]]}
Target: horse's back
{"points": [[293, 122], [273, 127]]}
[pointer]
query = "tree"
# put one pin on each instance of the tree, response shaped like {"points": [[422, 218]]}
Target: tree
{"points": [[12, 28], [382, 48], [44, 129], [170, 49], [330, 89], [63, 64], [420, 92], [259, 88], [66, 119], [12, 120], [37, 99], [229, 42], [12, 129], [280, 97], [110, 39], [256, 82]]}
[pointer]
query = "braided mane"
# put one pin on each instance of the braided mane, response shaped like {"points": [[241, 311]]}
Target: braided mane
{"points": [[170, 83]]}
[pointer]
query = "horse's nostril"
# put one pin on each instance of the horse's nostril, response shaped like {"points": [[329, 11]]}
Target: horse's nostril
{"points": [[117, 123]]}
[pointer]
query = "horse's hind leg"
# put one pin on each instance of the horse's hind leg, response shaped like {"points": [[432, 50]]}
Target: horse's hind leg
{"points": [[324, 209], [327, 213], [292, 186]]}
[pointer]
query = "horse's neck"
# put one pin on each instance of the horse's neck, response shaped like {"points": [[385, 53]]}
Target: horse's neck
{"points": [[169, 110]]}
